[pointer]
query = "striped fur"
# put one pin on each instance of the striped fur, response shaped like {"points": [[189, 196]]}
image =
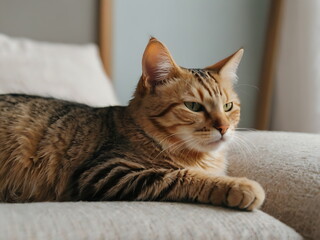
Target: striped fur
{"points": [[154, 149]]}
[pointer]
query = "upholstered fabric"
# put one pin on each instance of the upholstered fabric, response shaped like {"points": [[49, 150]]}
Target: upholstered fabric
{"points": [[136, 220], [287, 165], [65, 71]]}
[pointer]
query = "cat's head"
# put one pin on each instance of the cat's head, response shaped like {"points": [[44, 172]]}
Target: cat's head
{"points": [[186, 108]]}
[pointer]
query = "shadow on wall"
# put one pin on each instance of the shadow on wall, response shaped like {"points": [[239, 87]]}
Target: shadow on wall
{"points": [[296, 105]]}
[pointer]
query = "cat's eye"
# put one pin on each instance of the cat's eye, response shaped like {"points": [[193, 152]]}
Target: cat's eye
{"points": [[228, 106], [194, 106]]}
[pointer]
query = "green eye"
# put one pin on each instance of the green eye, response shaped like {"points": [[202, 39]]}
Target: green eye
{"points": [[228, 106], [193, 106]]}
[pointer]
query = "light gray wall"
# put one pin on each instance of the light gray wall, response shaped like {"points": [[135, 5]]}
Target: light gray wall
{"points": [[68, 21], [198, 33]]}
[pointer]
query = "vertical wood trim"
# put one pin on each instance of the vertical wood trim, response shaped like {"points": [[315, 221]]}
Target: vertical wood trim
{"points": [[269, 65], [105, 34]]}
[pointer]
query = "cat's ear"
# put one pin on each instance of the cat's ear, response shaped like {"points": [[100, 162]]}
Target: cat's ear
{"points": [[157, 63], [227, 68]]}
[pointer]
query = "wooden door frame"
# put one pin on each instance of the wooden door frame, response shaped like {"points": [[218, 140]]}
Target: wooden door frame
{"points": [[105, 34], [263, 116]]}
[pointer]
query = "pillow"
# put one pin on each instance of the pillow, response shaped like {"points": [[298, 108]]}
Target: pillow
{"points": [[64, 71], [287, 165]]}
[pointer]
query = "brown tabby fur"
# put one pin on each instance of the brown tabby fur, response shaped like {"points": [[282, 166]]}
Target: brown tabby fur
{"points": [[153, 149]]}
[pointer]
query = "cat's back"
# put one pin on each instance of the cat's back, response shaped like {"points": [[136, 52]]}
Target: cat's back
{"points": [[21, 107], [24, 105], [41, 141], [33, 117]]}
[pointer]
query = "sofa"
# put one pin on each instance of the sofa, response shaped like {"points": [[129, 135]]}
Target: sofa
{"points": [[286, 164]]}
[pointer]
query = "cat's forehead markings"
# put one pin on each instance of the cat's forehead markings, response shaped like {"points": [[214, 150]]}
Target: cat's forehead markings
{"points": [[205, 79], [202, 73]]}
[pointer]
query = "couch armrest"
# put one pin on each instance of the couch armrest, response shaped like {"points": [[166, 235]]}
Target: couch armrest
{"points": [[287, 165]]}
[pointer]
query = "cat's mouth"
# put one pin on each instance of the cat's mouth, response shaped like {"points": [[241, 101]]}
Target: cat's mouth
{"points": [[205, 141], [211, 136], [214, 141]]}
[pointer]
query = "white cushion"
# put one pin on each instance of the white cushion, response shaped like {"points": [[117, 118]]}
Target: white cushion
{"points": [[136, 221], [287, 165], [65, 71]]}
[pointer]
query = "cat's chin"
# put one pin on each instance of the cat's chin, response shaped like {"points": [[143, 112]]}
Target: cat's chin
{"points": [[211, 146], [214, 144], [208, 146]]}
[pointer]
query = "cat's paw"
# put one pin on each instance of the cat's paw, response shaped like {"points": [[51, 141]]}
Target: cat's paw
{"points": [[244, 194]]}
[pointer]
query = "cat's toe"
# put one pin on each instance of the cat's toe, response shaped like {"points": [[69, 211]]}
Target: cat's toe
{"points": [[245, 194]]}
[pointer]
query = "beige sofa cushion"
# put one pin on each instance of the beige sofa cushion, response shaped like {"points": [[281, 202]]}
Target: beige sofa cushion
{"points": [[136, 220], [288, 166]]}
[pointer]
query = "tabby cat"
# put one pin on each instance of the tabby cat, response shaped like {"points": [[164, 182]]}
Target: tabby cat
{"points": [[168, 144]]}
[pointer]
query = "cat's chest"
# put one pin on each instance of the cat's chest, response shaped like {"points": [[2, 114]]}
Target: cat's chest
{"points": [[212, 164]]}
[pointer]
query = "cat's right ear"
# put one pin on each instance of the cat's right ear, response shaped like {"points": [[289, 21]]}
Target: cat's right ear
{"points": [[227, 68], [157, 64]]}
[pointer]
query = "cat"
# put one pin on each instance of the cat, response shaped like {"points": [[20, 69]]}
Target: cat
{"points": [[168, 144]]}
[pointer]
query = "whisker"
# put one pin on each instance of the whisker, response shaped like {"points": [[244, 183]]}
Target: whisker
{"points": [[181, 142], [246, 129], [244, 146]]}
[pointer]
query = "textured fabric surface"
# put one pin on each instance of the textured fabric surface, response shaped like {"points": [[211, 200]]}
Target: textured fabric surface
{"points": [[287, 165], [65, 71], [136, 220]]}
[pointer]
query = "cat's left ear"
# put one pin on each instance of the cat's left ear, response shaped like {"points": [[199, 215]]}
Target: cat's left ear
{"points": [[227, 68], [157, 63]]}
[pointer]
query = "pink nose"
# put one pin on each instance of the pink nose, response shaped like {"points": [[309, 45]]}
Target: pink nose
{"points": [[222, 129]]}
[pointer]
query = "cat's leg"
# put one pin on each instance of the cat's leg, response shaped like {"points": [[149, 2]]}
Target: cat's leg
{"points": [[124, 182], [191, 185]]}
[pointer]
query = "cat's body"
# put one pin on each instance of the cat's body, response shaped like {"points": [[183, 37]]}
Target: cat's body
{"points": [[69, 140], [164, 146]]}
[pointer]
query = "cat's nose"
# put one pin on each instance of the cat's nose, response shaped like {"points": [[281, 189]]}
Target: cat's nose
{"points": [[222, 129]]}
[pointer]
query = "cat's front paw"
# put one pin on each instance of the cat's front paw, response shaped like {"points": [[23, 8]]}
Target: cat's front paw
{"points": [[244, 194]]}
